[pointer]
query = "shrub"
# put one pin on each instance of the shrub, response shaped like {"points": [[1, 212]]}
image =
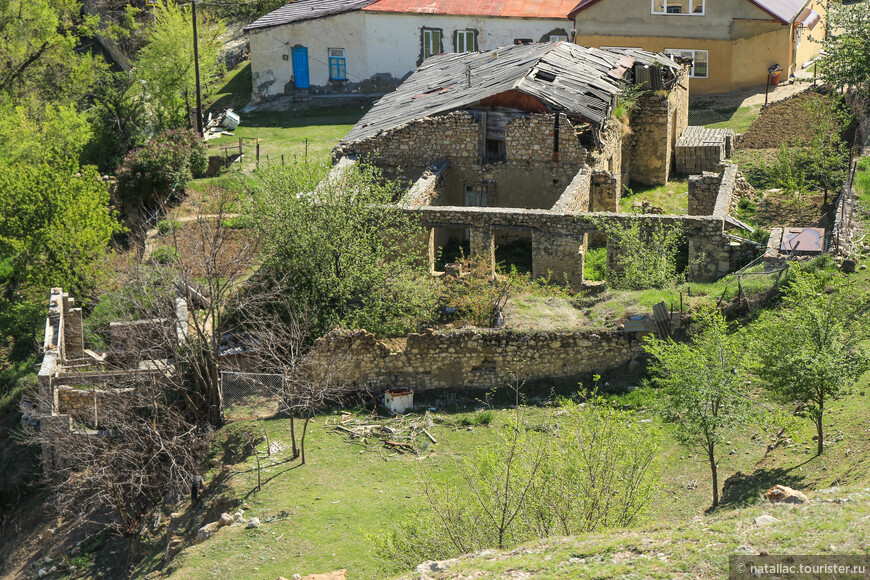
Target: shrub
{"points": [[646, 256], [160, 169], [164, 255], [166, 226]]}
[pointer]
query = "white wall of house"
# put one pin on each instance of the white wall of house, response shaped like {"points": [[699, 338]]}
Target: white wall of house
{"points": [[374, 44], [394, 40], [272, 75]]}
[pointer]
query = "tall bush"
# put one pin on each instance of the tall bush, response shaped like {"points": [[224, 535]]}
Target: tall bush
{"points": [[160, 169]]}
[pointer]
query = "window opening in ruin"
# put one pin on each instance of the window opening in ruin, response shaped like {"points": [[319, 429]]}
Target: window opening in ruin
{"points": [[431, 42], [556, 37], [478, 194], [523, 41], [493, 125], [545, 76], [595, 258], [449, 251], [513, 249]]}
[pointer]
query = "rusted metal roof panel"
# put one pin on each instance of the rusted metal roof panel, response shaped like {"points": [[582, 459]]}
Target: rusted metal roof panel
{"points": [[553, 9], [803, 240]]}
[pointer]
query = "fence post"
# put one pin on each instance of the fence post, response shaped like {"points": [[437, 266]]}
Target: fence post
{"points": [[258, 153]]}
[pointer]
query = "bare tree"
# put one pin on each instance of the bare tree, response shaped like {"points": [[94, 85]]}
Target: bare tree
{"points": [[145, 452]]}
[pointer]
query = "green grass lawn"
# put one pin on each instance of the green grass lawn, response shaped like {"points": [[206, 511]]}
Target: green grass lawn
{"points": [[673, 198], [862, 179], [736, 118]]}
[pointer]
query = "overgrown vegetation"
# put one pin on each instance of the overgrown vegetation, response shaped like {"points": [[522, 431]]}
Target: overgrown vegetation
{"points": [[349, 256], [646, 253], [596, 470]]}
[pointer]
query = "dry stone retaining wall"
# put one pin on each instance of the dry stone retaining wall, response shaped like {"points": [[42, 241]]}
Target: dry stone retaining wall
{"points": [[471, 359]]}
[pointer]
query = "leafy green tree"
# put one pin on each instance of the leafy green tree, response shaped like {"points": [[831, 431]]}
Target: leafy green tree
{"points": [[810, 350], [704, 384], [165, 64], [351, 257], [846, 47], [644, 253], [40, 62], [55, 230], [55, 132], [118, 120]]}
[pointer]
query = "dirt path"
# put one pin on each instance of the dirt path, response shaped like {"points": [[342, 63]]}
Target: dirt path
{"points": [[749, 97]]}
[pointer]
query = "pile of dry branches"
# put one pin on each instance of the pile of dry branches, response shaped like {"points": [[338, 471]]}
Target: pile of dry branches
{"points": [[399, 434]]}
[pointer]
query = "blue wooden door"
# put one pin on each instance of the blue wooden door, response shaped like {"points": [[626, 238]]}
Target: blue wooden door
{"points": [[300, 66]]}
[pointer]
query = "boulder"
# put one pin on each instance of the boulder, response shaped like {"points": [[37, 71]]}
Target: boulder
{"points": [[765, 520], [253, 523], [225, 520], [783, 494], [172, 548], [239, 517], [206, 532]]}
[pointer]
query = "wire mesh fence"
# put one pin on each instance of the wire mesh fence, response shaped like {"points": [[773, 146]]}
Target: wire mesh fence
{"points": [[250, 395], [753, 284]]}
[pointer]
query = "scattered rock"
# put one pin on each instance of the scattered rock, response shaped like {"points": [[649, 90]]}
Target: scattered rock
{"points": [[239, 517], [48, 560], [253, 523], [783, 494], [432, 567], [52, 570], [747, 550], [173, 548], [206, 532], [42, 573], [225, 520], [765, 520]]}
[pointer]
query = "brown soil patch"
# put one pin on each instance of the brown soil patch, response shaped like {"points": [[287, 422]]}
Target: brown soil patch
{"points": [[806, 210], [783, 122]]}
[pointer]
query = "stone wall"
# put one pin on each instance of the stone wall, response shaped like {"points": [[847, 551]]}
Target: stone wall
{"points": [[709, 246], [609, 158], [604, 195], [472, 359], [651, 137], [427, 188], [418, 144], [86, 405], [657, 121], [576, 196], [712, 193]]}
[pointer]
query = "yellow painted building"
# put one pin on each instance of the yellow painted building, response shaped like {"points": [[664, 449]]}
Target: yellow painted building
{"points": [[733, 42]]}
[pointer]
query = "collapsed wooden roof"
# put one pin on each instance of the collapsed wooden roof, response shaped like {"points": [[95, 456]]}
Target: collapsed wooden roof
{"points": [[564, 77]]}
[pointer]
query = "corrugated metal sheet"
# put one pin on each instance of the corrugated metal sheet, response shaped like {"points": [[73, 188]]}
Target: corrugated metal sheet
{"points": [[552, 9], [562, 76], [306, 10], [803, 240]]}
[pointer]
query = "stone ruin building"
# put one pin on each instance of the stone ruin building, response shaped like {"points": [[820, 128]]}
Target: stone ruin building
{"points": [[520, 146]]}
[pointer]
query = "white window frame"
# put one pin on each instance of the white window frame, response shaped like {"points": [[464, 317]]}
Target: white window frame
{"points": [[558, 37], [665, 5], [469, 37], [694, 52], [337, 59], [428, 41]]}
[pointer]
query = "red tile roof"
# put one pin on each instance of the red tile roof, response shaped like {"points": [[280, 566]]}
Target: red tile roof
{"points": [[555, 9]]}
